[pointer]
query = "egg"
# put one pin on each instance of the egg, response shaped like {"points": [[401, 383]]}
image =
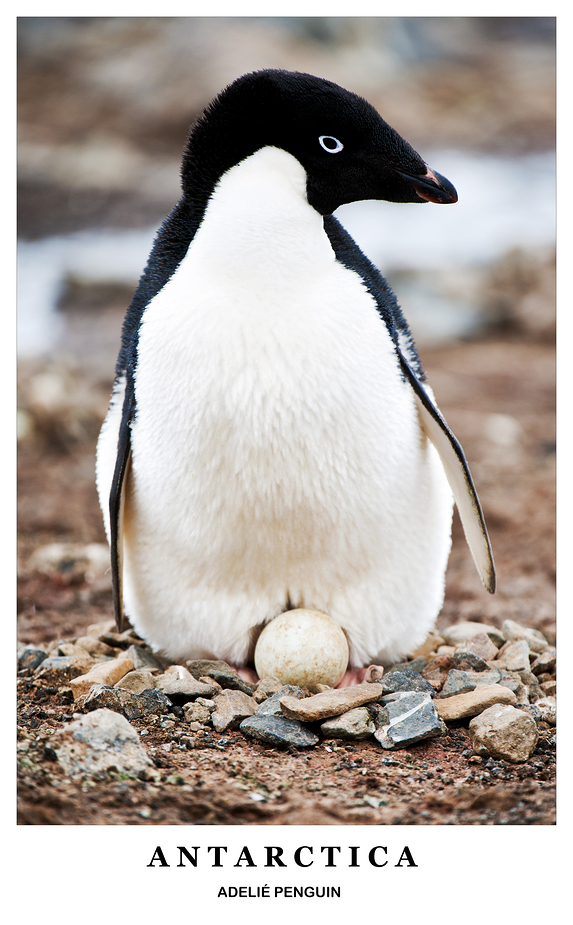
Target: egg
{"points": [[303, 647]]}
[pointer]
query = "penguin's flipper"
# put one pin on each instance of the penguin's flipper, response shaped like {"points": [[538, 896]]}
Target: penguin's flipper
{"points": [[459, 478], [116, 511]]}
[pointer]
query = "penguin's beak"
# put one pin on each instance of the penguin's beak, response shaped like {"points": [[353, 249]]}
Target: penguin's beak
{"points": [[431, 186]]}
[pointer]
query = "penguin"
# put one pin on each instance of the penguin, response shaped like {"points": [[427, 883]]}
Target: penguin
{"points": [[271, 441]]}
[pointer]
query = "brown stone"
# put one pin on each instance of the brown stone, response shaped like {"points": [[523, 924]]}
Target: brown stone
{"points": [[505, 733], [231, 708], [480, 645], [513, 656], [136, 681], [331, 703], [462, 705], [108, 673]]}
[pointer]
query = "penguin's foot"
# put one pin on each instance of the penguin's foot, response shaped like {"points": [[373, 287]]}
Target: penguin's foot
{"points": [[247, 674], [358, 675]]}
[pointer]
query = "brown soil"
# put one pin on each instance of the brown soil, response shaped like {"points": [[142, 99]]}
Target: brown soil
{"points": [[439, 782]]}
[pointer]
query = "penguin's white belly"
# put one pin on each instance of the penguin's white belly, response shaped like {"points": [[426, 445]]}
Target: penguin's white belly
{"points": [[277, 460]]}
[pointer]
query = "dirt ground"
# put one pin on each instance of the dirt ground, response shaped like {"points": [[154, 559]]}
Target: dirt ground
{"points": [[230, 780]]}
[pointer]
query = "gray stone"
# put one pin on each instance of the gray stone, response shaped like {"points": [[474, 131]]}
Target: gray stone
{"points": [[266, 688], [415, 664], [355, 724], [133, 706], [531, 683], [221, 672], [503, 732], [101, 696], [279, 730], [461, 632], [457, 682], [485, 678], [408, 717], [271, 706], [143, 658], [462, 659], [60, 668], [231, 707], [514, 683], [515, 631], [405, 680], [182, 689], [99, 742], [31, 658]]}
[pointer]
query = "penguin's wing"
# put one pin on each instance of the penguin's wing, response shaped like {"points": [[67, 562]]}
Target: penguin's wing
{"points": [[116, 508], [458, 476]]}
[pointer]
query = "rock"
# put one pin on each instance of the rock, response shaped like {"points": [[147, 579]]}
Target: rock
{"points": [[121, 640], [485, 678], [182, 689], [271, 706], [133, 706], [196, 713], [461, 632], [221, 672], [531, 683], [332, 702], [95, 647], [231, 707], [70, 563], [545, 662], [515, 684], [457, 682], [514, 656], [549, 688], [108, 673], [279, 731], [405, 680], [442, 663], [136, 681], [480, 645], [61, 668], [31, 658], [143, 658], [265, 688], [436, 678], [463, 659], [431, 643], [416, 664], [101, 741], [503, 732], [407, 718], [462, 705], [514, 632], [548, 708], [354, 724]]}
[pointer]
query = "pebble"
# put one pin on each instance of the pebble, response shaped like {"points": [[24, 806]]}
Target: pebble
{"points": [[231, 707], [271, 706], [485, 678], [461, 632], [549, 688], [531, 683], [503, 732], [515, 684], [407, 717], [515, 632], [121, 640], [545, 662], [196, 713], [405, 680], [133, 706], [60, 668], [332, 702], [462, 705], [463, 659], [514, 656], [100, 741], [480, 645], [416, 664], [108, 672], [183, 689], [221, 672], [354, 724], [548, 708], [279, 730], [143, 658], [136, 681], [95, 647], [31, 658], [266, 688], [457, 682]]}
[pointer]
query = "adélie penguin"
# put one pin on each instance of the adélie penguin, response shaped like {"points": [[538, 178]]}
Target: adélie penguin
{"points": [[271, 441]]}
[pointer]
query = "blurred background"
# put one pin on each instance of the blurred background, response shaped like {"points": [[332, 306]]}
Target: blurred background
{"points": [[105, 105]]}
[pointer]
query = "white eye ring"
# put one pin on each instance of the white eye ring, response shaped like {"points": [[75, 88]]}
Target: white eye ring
{"points": [[330, 144]]}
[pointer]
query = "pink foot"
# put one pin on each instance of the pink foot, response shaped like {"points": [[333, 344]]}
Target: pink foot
{"points": [[247, 674], [357, 675]]}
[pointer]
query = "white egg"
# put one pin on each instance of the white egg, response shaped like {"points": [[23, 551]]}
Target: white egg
{"points": [[304, 647]]}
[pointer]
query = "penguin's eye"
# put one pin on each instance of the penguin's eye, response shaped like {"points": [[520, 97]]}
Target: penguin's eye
{"points": [[330, 144]]}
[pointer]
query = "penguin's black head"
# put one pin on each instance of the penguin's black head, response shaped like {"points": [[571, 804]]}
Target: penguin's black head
{"points": [[346, 148]]}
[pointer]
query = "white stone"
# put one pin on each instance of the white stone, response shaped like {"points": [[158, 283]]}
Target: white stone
{"points": [[302, 647], [504, 732]]}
